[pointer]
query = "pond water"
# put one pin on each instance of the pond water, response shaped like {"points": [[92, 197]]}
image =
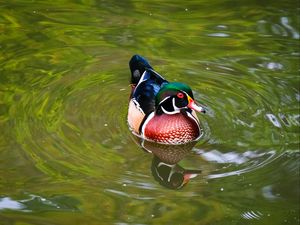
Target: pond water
{"points": [[66, 153]]}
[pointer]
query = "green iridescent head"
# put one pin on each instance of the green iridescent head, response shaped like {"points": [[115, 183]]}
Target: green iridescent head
{"points": [[172, 89], [174, 97]]}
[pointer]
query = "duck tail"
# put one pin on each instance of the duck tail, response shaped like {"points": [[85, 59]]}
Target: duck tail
{"points": [[138, 65]]}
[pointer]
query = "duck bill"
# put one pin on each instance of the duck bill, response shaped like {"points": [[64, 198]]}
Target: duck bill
{"points": [[194, 106]]}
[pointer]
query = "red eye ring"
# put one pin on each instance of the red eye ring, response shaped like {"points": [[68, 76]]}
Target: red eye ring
{"points": [[180, 95]]}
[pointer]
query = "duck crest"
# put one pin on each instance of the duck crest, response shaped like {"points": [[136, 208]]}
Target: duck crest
{"points": [[161, 111]]}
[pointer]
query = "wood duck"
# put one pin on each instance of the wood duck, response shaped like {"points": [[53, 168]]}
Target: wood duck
{"points": [[161, 111]]}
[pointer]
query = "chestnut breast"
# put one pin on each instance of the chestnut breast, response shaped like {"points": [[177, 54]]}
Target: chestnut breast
{"points": [[176, 128]]}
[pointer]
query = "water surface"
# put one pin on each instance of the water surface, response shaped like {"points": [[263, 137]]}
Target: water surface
{"points": [[66, 154]]}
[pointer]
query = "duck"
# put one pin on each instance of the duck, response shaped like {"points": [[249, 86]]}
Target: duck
{"points": [[161, 111]]}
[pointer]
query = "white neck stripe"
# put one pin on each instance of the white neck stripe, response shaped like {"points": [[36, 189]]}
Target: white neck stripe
{"points": [[151, 115], [167, 112]]}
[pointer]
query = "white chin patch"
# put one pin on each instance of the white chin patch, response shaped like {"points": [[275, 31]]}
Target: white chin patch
{"points": [[176, 109], [170, 113]]}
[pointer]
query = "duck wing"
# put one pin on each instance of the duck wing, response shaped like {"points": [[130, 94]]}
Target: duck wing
{"points": [[147, 88], [146, 83]]}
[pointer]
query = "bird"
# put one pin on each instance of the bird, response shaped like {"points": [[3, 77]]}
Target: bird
{"points": [[161, 111]]}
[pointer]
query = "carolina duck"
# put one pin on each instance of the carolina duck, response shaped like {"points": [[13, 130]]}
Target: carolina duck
{"points": [[161, 111]]}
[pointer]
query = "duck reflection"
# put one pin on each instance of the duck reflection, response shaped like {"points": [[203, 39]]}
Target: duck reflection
{"points": [[171, 176], [165, 168]]}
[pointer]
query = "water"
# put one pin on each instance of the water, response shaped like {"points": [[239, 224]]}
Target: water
{"points": [[66, 154]]}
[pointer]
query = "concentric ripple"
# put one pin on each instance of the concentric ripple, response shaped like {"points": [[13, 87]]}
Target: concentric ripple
{"points": [[67, 156], [249, 125], [68, 121]]}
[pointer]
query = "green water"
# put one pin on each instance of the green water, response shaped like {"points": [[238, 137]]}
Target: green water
{"points": [[66, 154]]}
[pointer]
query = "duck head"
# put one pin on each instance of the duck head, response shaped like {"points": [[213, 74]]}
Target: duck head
{"points": [[175, 97]]}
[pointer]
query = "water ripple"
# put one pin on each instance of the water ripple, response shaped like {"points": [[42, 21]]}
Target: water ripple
{"points": [[72, 118], [250, 215]]}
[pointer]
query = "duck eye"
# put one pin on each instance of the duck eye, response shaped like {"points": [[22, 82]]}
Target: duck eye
{"points": [[180, 95]]}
